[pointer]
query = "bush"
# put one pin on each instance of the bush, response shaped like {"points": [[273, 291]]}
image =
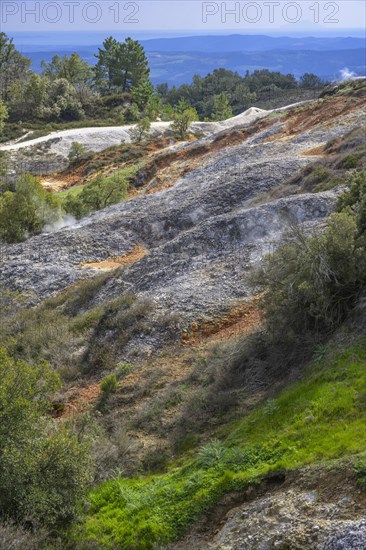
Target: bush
{"points": [[27, 210], [310, 284], [348, 162], [44, 468], [141, 130], [183, 116], [354, 200], [99, 193], [360, 471], [77, 152], [3, 114], [16, 537]]}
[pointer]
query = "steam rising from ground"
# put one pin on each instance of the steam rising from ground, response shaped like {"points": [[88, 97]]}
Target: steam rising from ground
{"points": [[346, 74], [65, 221]]}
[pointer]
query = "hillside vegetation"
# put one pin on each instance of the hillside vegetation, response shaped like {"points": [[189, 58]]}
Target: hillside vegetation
{"points": [[193, 341]]}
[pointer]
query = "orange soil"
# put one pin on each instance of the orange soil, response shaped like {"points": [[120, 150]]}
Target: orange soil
{"points": [[138, 252], [243, 319], [78, 399], [314, 152]]}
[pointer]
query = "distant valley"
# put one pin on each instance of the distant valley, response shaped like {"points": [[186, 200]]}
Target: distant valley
{"points": [[176, 60]]}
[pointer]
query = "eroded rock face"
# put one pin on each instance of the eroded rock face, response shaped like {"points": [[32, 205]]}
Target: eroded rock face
{"points": [[291, 521]]}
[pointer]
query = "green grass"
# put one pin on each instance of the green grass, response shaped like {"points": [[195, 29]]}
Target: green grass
{"points": [[318, 419]]}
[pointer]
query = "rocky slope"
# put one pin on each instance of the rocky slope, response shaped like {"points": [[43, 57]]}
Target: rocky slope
{"points": [[205, 231]]}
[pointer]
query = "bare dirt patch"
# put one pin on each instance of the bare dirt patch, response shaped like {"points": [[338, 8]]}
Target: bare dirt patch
{"points": [[78, 399], [243, 319], [138, 252]]}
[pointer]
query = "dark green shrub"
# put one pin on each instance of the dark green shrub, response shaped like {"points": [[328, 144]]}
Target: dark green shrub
{"points": [[155, 460], [44, 467], [97, 194], [77, 152], [354, 200], [312, 283], [348, 162], [319, 174], [27, 210]]}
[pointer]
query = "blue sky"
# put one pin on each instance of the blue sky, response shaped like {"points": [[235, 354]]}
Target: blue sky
{"points": [[179, 16]]}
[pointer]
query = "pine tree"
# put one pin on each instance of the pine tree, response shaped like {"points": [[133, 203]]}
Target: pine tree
{"points": [[221, 107], [121, 66]]}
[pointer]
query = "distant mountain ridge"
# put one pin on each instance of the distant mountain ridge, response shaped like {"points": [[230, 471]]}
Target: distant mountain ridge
{"points": [[177, 68], [176, 60], [240, 42]]}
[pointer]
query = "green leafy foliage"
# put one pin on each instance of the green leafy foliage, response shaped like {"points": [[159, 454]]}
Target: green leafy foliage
{"points": [[43, 467], [72, 68], [141, 130], [221, 107], [354, 200], [360, 470], [26, 210], [121, 66], [142, 93], [3, 114], [99, 193], [183, 116], [312, 283], [13, 66], [77, 152], [44, 99]]}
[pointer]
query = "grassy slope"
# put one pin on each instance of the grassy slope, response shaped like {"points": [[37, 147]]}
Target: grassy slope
{"points": [[319, 418]]}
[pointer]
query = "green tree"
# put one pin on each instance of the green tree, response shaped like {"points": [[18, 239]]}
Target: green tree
{"points": [[97, 194], [3, 114], [183, 117], [13, 66], [142, 93], [40, 98], [27, 210], [28, 98], [72, 68], [354, 200], [311, 81], [44, 469], [154, 107], [4, 167], [221, 107], [61, 102], [77, 152], [141, 130], [134, 112], [18, 218], [311, 283], [121, 66]]}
